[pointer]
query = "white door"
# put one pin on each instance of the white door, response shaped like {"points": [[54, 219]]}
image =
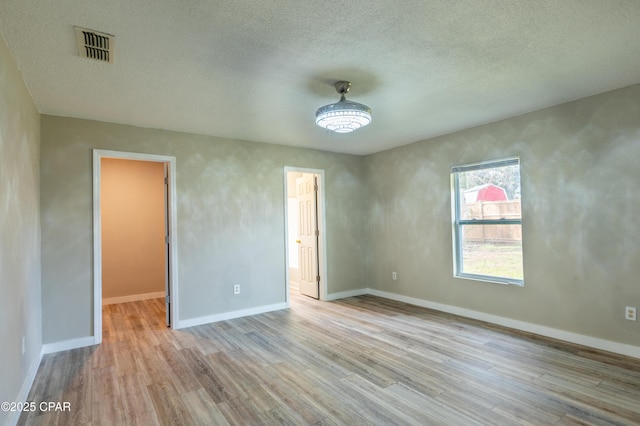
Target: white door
{"points": [[307, 192]]}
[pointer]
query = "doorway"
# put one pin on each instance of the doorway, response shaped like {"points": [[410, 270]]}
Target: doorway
{"points": [[306, 271], [134, 231]]}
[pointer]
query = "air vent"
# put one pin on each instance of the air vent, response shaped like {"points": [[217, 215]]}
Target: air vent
{"points": [[95, 45]]}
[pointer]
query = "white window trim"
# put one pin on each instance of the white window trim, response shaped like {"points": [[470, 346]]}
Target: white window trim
{"points": [[457, 223]]}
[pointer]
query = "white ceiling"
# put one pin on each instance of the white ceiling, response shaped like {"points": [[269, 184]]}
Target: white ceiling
{"points": [[258, 70]]}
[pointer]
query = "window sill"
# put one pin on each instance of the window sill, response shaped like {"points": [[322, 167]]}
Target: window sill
{"points": [[490, 279]]}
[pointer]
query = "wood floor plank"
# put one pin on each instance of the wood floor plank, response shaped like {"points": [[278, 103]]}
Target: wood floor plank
{"points": [[206, 375], [182, 376], [439, 413], [203, 410], [138, 408], [107, 406], [77, 390], [238, 412], [325, 399], [151, 365], [169, 406], [227, 371], [362, 360]]}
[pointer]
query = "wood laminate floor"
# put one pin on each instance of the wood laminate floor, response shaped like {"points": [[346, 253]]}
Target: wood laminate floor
{"points": [[362, 360]]}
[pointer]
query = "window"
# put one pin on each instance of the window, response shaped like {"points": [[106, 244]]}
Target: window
{"points": [[487, 221]]}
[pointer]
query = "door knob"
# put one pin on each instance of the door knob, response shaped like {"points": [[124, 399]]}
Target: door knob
{"points": [[298, 241]]}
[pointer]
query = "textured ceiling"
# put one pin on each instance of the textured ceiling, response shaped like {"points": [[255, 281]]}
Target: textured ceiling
{"points": [[258, 70]]}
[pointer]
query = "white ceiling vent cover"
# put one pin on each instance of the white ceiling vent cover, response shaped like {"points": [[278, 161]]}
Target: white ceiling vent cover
{"points": [[95, 45]]}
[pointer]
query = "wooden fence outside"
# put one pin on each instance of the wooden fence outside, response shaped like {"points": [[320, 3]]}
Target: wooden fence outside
{"points": [[493, 233]]}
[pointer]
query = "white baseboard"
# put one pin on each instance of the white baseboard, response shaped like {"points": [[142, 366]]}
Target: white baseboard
{"points": [[228, 315], [348, 293], [65, 345], [133, 298], [580, 339]]}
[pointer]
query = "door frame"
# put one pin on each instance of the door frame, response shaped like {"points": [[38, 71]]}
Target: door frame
{"points": [[98, 155], [322, 224]]}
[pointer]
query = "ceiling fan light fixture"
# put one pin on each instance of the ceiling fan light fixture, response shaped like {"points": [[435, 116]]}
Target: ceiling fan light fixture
{"points": [[344, 116]]}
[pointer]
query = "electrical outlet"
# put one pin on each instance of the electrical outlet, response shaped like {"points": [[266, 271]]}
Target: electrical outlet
{"points": [[236, 289], [24, 346], [394, 275], [630, 313]]}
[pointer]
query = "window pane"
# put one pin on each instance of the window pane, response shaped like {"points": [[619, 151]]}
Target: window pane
{"points": [[493, 250], [487, 198], [491, 193]]}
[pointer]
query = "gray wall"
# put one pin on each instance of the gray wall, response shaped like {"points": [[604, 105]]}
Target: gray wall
{"points": [[580, 197], [20, 311], [581, 200], [230, 219], [392, 209]]}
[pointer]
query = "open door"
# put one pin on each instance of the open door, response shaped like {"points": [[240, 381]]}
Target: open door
{"points": [[170, 252], [307, 194], [167, 243]]}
